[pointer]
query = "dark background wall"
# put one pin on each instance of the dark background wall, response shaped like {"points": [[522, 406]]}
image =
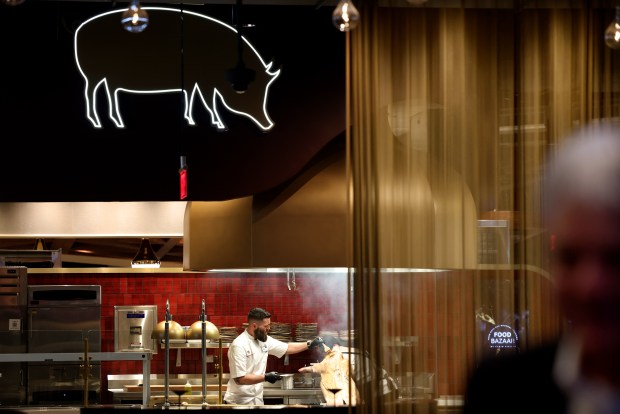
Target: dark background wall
{"points": [[51, 152]]}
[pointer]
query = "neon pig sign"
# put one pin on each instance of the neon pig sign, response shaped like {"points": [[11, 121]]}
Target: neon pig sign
{"points": [[502, 336], [180, 51]]}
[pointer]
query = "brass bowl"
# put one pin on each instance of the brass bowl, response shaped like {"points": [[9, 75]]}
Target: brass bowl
{"points": [[195, 331], [175, 331]]}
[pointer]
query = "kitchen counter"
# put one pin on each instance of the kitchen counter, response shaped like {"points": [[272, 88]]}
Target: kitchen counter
{"points": [[42, 410], [280, 407], [136, 409], [297, 392], [307, 396], [126, 390], [273, 396], [402, 406]]}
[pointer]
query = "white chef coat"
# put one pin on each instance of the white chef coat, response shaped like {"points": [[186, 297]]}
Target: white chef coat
{"points": [[249, 355]]}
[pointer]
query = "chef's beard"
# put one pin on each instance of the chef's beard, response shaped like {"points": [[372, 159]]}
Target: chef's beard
{"points": [[260, 335]]}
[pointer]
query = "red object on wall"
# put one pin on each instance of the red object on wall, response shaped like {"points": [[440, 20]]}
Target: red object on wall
{"points": [[183, 183]]}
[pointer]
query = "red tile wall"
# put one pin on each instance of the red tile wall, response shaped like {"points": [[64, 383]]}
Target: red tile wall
{"points": [[320, 298]]}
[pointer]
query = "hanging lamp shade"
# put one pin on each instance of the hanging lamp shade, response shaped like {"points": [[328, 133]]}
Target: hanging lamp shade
{"points": [[145, 257], [40, 244]]}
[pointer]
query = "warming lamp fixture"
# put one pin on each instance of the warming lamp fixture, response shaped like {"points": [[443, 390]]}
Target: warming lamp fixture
{"points": [[146, 257]]}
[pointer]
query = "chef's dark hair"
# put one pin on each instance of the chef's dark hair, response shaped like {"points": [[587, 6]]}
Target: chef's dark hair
{"points": [[258, 314]]}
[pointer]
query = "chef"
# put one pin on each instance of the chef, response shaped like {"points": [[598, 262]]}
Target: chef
{"points": [[247, 358]]}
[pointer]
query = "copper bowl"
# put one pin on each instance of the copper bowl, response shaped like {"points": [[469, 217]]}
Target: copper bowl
{"points": [[175, 331], [195, 331]]}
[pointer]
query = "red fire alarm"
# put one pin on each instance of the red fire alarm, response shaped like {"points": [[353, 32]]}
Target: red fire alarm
{"points": [[183, 178]]}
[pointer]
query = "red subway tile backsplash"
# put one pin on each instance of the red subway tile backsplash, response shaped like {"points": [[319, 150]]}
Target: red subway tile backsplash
{"points": [[320, 298]]}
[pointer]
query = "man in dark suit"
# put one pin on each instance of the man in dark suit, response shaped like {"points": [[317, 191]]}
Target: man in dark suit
{"points": [[580, 373]]}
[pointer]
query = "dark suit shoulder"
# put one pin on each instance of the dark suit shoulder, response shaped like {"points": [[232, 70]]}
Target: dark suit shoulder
{"points": [[516, 383]]}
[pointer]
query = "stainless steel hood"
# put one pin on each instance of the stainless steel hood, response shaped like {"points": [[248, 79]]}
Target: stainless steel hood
{"points": [[306, 223], [300, 224]]}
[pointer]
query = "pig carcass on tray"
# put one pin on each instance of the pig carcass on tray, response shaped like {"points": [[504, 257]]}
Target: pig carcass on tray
{"points": [[335, 379]]}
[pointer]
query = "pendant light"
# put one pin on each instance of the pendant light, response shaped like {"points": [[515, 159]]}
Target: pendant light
{"points": [[12, 2], [40, 244], [345, 16], [146, 257], [135, 19], [240, 76], [612, 33]]}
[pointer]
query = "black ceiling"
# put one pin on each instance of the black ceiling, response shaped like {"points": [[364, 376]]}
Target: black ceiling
{"points": [[52, 153]]}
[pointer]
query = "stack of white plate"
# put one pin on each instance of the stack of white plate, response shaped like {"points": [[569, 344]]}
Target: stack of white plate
{"points": [[281, 331], [347, 335], [228, 333], [306, 331], [324, 333]]}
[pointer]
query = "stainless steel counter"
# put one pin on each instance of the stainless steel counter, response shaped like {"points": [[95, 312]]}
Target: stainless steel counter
{"points": [[273, 393], [45, 410], [305, 391], [303, 396], [118, 386]]}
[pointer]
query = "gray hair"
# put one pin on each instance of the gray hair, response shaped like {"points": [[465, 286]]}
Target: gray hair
{"points": [[585, 169]]}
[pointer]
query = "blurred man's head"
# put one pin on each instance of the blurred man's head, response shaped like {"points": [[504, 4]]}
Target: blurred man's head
{"points": [[582, 208]]}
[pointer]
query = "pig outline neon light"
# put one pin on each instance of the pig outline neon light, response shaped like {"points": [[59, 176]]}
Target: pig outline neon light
{"points": [[113, 106]]}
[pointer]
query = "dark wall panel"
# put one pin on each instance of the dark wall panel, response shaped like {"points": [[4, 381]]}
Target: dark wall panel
{"points": [[51, 152]]}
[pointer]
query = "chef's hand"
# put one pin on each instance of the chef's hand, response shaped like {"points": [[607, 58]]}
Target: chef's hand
{"points": [[272, 377], [315, 342]]}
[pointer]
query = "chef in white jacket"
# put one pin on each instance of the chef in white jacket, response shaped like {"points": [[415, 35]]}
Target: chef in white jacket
{"points": [[247, 358]]}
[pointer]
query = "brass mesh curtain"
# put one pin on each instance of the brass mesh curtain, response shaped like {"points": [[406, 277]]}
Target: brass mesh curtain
{"points": [[453, 112]]}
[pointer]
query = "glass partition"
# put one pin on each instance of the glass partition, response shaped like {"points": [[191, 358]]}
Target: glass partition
{"points": [[454, 108]]}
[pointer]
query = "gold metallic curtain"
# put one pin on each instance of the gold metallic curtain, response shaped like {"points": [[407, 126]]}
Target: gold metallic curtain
{"points": [[453, 112]]}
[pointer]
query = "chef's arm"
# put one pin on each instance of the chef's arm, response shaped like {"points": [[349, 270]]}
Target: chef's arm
{"points": [[297, 347], [249, 379]]}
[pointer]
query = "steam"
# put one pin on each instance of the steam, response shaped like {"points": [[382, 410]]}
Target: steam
{"points": [[327, 291]]}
